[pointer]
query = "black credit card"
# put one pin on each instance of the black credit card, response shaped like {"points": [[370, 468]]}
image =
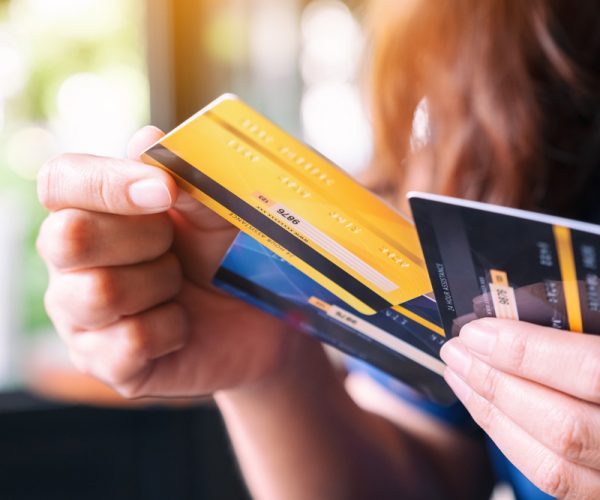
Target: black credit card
{"points": [[489, 261]]}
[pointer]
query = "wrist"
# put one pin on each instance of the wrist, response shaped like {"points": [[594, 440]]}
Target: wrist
{"points": [[301, 365]]}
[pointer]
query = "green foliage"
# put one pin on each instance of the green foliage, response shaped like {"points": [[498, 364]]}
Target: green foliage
{"points": [[53, 51]]}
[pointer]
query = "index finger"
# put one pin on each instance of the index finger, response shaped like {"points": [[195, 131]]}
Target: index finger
{"points": [[99, 184], [565, 361]]}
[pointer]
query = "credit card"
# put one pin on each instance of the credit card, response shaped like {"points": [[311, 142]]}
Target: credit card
{"points": [[485, 260], [296, 203], [404, 346]]}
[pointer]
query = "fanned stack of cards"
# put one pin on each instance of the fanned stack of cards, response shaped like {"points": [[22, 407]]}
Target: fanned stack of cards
{"points": [[327, 256]]}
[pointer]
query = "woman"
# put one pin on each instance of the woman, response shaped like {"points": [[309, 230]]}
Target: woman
{"points": [[511, 93]]}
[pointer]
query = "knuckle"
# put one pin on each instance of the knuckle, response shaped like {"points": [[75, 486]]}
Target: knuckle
{"points": [[49, 178], [100, 187], [65, 238], [99, 291], [103, 188], [488, 380], [552, 477], [569, 436], [134, 340], [517, 351]]}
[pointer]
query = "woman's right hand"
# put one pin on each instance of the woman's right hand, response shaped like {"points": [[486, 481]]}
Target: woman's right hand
{"points": [[130, 261]]}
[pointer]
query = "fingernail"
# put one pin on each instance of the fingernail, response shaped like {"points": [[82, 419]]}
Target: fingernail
{"points": [[479, 337], [150, 194], [457, 357], [458, 385]]}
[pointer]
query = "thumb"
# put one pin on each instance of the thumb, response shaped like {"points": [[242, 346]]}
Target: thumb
{"points": [[207, 235], [109, 185], [194, 212]]}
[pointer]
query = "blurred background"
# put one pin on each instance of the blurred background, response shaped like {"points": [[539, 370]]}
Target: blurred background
{"points": [[82, 76]]}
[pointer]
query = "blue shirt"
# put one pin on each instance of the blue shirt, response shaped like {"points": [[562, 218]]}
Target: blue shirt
{"points": [[457, 416]]}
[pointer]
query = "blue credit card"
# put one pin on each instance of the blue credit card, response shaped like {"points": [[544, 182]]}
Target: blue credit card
{"points": [[388, 340]]}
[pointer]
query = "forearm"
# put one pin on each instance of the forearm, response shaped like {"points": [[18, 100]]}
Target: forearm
{"points": [[301, 436]]}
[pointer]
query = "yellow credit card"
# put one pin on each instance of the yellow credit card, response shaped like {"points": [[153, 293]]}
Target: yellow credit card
{"points": [[297, 203]]}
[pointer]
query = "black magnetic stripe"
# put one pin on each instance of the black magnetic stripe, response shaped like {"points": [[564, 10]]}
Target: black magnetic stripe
{"points": [[261, 222]]}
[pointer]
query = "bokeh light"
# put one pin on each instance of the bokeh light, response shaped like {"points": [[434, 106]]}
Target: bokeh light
{"points": [[63, 10], [225, 36], [79, 19], [28, 148], [332, 42], [13, 66], [97, 112], [333, 118], [273, 39], [335, 124]]}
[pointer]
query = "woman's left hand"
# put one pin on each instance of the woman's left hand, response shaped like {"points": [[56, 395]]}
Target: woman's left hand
{"points": [[536, 392]]}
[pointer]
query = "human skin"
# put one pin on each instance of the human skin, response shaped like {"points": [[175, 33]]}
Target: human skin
{"points": [[130, 261], [536, 392]]}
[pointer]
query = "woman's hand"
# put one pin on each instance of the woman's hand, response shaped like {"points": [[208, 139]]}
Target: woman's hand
{"points": [[536, 392], [130, 262]]}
